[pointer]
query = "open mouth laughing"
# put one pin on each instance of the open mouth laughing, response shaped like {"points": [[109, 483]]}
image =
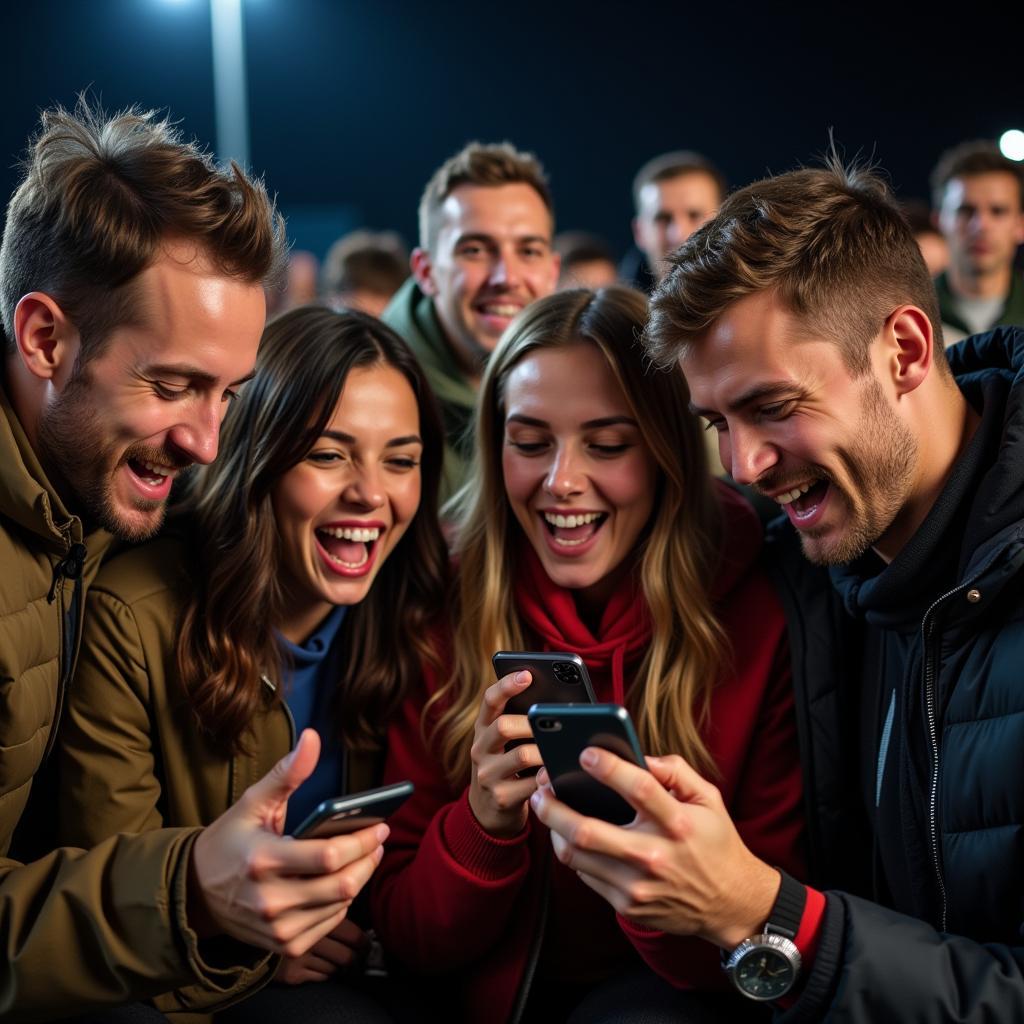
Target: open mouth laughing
{"points": [[805, 502], [348, 549], [567, 532]]}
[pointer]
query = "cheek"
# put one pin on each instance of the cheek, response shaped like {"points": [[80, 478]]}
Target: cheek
{"points": [[521, 477], [405, 501], [631, 488]]}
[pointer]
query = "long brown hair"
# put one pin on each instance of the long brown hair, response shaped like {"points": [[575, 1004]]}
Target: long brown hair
{"points": [[677, 558], [227, 639]]}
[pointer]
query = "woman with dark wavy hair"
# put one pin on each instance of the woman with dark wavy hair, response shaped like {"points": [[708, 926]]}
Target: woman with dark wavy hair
{"points": [[296, 587]]}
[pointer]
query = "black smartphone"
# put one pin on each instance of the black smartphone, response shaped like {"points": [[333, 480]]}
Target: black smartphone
{"points": [[346, 814], [559, 677], [562, 731]]}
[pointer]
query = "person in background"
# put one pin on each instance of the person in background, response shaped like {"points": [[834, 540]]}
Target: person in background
{"points": [[673, 195], [586, 261], [486, 220], [590, 524], [930, 240], [362, 271], [979, 197], [293, 590]]}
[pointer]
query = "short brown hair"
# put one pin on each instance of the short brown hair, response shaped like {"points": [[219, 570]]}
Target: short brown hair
{"points": [[99, 196], [674, 165], [831, 242], [375, 261], [478, 163], [981, 156]]}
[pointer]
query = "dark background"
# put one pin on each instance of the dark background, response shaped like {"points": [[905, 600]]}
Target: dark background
{"points": [[353, 104]]}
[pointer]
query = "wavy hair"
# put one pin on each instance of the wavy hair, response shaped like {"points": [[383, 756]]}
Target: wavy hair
{"points": [[676, 558], [227, 639]]}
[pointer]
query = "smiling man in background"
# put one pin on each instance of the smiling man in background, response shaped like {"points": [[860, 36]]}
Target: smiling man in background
{"points": [[486, 222]]}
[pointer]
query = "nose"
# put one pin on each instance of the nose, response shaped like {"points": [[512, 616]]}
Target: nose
{"points": [[506, 270], [746, 455], [197, 437], [364, 489], [565, 476]]}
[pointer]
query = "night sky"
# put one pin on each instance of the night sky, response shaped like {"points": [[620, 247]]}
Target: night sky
{"points": [[353, 105]]}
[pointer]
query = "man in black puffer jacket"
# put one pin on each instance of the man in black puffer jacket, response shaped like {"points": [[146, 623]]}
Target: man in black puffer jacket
{"points": [[806, 325]]}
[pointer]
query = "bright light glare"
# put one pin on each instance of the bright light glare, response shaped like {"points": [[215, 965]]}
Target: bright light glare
{"points": [[1011, 144]]}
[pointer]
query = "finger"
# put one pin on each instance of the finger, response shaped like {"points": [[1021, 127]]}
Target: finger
{"points": [[351, 934], [337, 954], [682, 781], [300, 930], [334, 890], [519, 759], [305, 974], [496, 695], [283, 855], [640, 788], [613, 873], [543, 779], [313, 961]]}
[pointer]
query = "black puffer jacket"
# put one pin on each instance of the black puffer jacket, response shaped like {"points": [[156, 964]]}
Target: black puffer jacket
{"points": [[912, 730]]}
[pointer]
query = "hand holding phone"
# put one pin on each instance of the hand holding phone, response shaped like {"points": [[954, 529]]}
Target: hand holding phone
{"points": [[563, 732], [498, 790]]}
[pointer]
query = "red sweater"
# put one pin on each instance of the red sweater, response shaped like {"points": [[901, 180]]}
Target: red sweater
{"points": [[450, 897]]}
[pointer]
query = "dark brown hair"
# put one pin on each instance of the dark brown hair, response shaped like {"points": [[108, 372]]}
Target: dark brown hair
{"points": [[831, 242], [227, 638], [982, 156], [667, 166], [374, 261], [479, 164], [99, 197]]}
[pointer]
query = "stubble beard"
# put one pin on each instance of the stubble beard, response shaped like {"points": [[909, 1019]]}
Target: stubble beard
{"points": [[879, 468], [82, 463]]}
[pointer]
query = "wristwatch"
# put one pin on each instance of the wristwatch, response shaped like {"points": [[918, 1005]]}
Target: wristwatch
{"points": [[766, 966]]}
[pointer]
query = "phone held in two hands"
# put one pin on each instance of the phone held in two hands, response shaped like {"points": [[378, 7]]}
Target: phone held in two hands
{"points": [[346, 814], [565, 719]]}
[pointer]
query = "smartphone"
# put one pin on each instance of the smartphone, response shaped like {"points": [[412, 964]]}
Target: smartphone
{"points": [[346, 814], [562, 731], [558, 678]]}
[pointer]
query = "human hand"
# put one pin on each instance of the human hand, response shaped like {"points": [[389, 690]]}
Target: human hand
{"points": [[680, 866], [338, 950], [498, 798], [283, 894]]}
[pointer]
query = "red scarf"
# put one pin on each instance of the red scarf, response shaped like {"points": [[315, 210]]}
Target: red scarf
{"points": [[549, 613]]}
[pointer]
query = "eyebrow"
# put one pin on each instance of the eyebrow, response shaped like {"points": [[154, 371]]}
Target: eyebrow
{"points": [[395, 442], [194, 373], [605, 421], [478, 236], [758, 393]]}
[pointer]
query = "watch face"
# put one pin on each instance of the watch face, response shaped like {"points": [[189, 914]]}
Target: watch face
{"points": [[764, 973]]}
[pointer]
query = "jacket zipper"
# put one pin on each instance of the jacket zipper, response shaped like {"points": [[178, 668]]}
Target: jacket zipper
{"points": [[69, 567], [927, 629]]}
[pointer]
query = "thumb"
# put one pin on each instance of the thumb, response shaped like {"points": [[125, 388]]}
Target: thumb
{"points": [[288, 774]]}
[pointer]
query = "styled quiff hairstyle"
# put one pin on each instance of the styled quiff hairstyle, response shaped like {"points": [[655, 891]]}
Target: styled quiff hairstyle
{"points": [[478, 163], [831, 243], [981, 156], [100, 195], [226, 638], [676, 558]]}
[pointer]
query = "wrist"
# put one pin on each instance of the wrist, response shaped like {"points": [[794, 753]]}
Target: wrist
{"points": [[197, 910], [749, 917]]}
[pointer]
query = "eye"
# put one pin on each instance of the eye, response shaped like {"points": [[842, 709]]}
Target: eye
{"points": [[325, 457], [170, 392], [403, 462], [777, 410], [610, 450], [472, 250], [527, 447], [719, 425]]}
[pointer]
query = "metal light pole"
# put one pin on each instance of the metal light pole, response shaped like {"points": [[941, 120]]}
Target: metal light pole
{"points": [[229, 82]]}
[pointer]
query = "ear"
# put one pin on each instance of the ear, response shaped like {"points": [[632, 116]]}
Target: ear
{"points": [[46, 340], [423, 271], [910, 344], [637, 235]]}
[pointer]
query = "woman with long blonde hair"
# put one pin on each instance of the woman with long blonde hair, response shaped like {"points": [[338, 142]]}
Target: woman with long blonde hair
{"points": [[590, 524]]}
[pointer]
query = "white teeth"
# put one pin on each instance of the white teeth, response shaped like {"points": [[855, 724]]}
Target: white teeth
{"points": [[571, 522], [364, 535], [505, 311], [349, 565], [789, 496], [158, 470]]}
